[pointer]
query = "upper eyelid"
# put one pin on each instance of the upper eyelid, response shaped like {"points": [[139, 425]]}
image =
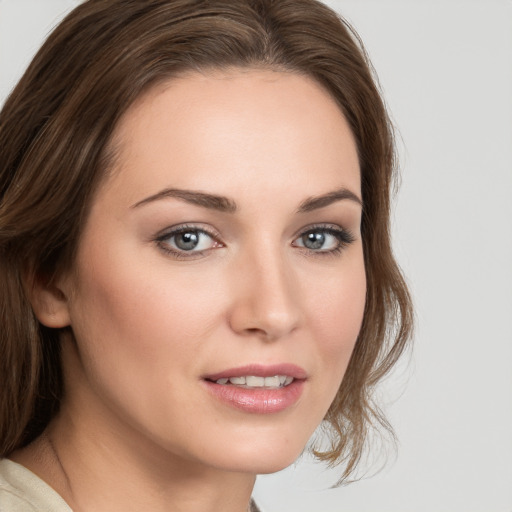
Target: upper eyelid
{"points": [[319, 227], [177, 228], [180, 228]]}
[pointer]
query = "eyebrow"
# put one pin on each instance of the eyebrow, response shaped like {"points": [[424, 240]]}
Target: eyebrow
{"points": [[224, 204], [210, 201], [317, 202]]}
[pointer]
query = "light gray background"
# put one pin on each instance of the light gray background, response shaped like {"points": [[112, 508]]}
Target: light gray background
{"points": [[446, 71]]}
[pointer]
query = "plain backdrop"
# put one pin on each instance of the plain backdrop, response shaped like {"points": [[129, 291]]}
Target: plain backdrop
{"points": [[445, 68]]}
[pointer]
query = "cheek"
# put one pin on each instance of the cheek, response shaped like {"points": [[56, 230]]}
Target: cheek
{"points": [[140, 331], [335, 318], [147, 313]]}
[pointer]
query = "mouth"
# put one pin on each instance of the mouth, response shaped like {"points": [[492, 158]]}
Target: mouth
{"points": [[256, 382], [258, 388]]}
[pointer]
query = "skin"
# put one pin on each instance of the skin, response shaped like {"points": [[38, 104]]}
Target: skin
{"points": [[137, 428]]}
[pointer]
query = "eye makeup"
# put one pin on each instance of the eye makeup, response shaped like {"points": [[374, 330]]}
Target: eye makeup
{"points": [[323, 240], [187, 241], [191, 241]]}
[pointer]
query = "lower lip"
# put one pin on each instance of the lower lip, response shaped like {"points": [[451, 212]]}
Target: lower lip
{"points": [[258, 400]]}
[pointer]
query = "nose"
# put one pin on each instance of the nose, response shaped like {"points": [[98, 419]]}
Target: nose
{"points": [[265, 300]]}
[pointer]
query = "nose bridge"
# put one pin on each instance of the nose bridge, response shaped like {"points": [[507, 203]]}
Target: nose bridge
{"points": [[266, 301]]}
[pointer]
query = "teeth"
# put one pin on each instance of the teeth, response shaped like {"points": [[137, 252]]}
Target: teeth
{"points": [[252, 381], [272, 382]]}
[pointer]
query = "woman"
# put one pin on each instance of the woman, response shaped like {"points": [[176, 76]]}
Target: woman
{"points": [[194, 233]]}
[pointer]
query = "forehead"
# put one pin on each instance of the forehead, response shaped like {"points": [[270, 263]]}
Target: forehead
{"points": [[229, 129]]}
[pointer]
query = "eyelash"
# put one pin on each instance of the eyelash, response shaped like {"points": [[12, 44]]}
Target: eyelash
{"points": [[343, 237], [173, 232]]}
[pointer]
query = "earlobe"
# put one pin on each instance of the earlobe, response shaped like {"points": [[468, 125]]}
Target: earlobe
{"points": [[49, 302]]}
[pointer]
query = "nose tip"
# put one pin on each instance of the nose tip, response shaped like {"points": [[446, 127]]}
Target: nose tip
{"points": [[266, 304], [270, 326]]}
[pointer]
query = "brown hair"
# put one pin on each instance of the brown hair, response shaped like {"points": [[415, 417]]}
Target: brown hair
{"points": [[55, 129]]}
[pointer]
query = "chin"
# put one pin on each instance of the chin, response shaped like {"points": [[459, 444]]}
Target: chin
{"points": [[261, 466], [259, 455]]}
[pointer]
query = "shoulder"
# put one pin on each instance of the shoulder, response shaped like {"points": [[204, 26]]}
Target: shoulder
{"points": [[23, 491]]}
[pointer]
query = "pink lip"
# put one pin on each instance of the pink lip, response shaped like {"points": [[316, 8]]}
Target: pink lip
{"points": [[258, 401]]}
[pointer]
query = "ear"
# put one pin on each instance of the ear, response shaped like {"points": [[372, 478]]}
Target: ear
{"points": [[49, 301]]}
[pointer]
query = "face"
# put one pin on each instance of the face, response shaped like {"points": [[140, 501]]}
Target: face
{"points": [[219, 284]]}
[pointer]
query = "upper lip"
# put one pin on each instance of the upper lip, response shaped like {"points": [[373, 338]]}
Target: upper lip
{"points": [[260, 370]]}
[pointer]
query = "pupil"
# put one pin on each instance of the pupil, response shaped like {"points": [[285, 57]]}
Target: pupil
{"points": [[187, 241], [313, 240]]}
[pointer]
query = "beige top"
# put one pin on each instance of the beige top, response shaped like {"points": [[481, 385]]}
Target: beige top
{"points": [[23, 491]]}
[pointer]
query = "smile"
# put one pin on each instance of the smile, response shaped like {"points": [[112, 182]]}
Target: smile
{"points": [[252, 381], [258, 389]]}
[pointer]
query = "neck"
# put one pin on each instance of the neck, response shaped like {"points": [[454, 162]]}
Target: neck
{"points": [[95, 469]]}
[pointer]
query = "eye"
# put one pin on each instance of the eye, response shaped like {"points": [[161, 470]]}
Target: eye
{"points": [[182, 240], [324, 239]]}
